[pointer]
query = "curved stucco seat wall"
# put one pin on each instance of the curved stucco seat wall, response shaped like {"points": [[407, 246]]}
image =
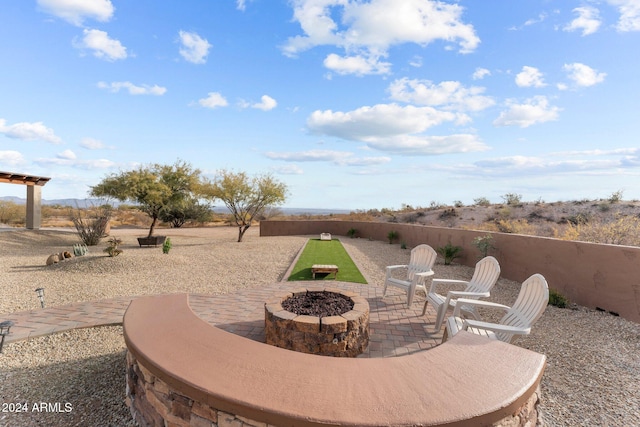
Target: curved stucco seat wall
{"points": [[188, 372]]}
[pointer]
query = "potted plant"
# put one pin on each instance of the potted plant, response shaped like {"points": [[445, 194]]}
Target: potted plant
{"points": [[154, 188]]}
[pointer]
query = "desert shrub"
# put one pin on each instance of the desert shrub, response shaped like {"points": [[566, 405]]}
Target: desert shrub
{"points": [[392, 235], [458, 204], [189, 210], [484, 244], [112, 249], [512, 199], [449, 252], [482, 201], [615, 197], [579, 219], [623, 230], [436, 205], [411, 218], [403, 245], [557, 299], [352, 232], [91, 224], [604, 207], [515, 226], [504, 212], [11, 212], [448, 213]]}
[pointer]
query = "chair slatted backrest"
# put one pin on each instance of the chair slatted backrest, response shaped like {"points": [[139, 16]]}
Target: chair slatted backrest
{"points": [[423, 257], [529, 306], [485, 275]]}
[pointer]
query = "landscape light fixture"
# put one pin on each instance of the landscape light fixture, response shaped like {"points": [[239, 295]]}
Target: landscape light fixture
{"points": [[4, 331], [40, 292]]}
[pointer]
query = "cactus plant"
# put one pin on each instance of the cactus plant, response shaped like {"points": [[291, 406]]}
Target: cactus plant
{"points": [[80, 249]]}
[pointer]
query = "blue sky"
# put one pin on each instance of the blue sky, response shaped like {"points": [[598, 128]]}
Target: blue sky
{"points": [[353, 104]]}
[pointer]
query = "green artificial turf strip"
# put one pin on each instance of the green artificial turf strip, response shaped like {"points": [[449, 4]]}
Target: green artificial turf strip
{"points": [[326, 252]]}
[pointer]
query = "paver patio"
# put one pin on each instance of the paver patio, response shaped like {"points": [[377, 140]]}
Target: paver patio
{"points": [[394, 329]]}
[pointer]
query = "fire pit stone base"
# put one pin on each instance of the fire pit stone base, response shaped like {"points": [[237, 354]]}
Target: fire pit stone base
{"points": [[346, 335]]}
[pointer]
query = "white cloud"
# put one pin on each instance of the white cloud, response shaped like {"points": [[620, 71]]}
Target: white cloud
{"points": [[194, 48], [288, 170], [376, 121], [530, 77], [448, 94], [533, 111], [537, 20], [91, 144], [588, 20], [390, 127], [342, 158], [548, 165], [422, 145], [583, 75], [416, 61], [11, 158], [133, 89], [76, 11], [60, 160], [266, 103], [102, 46], [358, 65], [367, 30], [213, 100], [629, 14], [29, 132], [67, 155], [480, 73]]}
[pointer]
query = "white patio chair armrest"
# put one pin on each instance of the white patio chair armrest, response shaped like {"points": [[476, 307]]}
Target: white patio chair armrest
{"points": [[478, 303], [457, 294], [469, 323], [435, 282], [424, 274], [394, 267]]}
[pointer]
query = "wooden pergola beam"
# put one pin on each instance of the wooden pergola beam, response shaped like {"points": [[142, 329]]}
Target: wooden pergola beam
{"points": [[16, 178]]}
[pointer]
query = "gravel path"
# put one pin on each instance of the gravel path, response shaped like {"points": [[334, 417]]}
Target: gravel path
{"points": [[592, 376]]}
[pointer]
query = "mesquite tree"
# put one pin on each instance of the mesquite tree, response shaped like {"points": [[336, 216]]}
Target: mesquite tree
{"points": [[154, 188], [246, 197]]}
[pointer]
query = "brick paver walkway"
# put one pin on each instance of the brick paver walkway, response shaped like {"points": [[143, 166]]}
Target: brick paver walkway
{"points": [[394, 329]]}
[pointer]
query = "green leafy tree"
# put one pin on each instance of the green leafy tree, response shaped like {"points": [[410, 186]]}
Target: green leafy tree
{"points": [[246, 197], [190, 209], [154, 188]]}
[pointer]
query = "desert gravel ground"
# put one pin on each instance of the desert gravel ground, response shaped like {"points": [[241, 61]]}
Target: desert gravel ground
{"points": [[592, 376]]}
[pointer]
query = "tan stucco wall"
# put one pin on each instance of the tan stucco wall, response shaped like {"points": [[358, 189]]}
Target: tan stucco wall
{"points": [[592, 275]]}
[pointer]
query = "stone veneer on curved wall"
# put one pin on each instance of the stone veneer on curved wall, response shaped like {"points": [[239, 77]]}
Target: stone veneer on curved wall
{"points": [[590, 274], [183, 372]]}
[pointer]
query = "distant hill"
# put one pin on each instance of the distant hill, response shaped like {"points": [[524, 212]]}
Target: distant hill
{"points": [[83, 203]]}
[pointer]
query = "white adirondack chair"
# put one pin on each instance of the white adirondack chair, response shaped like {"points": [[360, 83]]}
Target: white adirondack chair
{"points": [[518, 320], [484, 278], [419, 268]]}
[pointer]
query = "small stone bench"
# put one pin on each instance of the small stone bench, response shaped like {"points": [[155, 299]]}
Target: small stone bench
{"points": [[188, 373]]}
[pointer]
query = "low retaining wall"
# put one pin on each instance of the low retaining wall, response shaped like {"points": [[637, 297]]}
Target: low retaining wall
{"points": [[592, 275], [184, 372]]}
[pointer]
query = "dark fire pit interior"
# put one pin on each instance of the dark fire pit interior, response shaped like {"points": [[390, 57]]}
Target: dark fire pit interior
{"points": [[328, 322], [318, 303]]}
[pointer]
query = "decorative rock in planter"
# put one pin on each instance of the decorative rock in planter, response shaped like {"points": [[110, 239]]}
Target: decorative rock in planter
{"points": [[151, 241]]}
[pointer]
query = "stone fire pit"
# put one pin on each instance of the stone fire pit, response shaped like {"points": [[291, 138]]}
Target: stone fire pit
{"points": [[338, 335]]}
